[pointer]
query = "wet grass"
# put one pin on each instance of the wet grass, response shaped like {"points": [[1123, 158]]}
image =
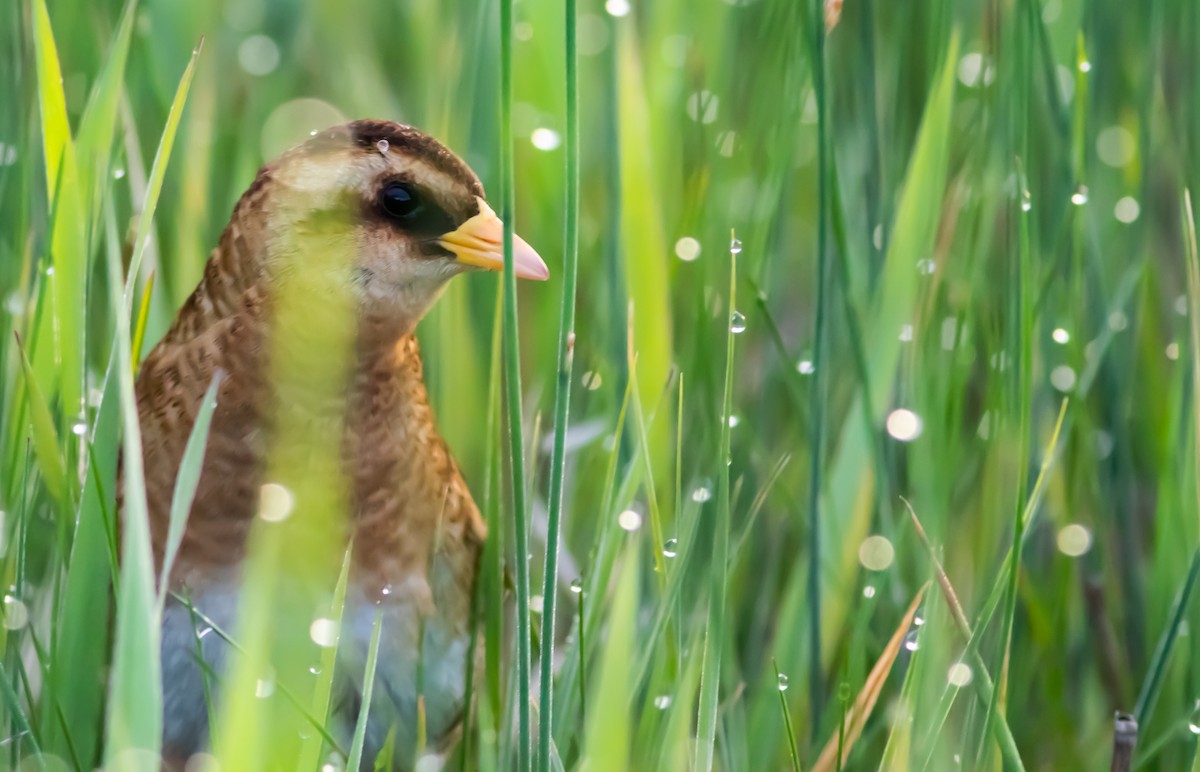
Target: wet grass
{"points": [[967, 278]]}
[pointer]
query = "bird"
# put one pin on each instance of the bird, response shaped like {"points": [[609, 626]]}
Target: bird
{"points": [[305, 317]]}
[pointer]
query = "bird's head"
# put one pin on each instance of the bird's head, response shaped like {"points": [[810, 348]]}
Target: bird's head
{"points": [[384, 212]]}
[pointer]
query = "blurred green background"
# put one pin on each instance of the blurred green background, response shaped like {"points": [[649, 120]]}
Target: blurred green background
{"points": [[1005, 238]]}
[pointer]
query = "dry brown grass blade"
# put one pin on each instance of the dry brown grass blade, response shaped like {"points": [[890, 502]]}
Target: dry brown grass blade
{"points": [[864, 703]]}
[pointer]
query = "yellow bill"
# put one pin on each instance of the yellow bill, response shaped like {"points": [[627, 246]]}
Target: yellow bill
{"points": [[480, 242]]}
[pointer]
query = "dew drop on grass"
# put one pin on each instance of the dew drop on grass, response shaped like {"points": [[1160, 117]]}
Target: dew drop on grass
{"points": [[671, 548], [783, 682], [264, 688], [1026, 201], [1194, 721], [703, 492], [805, 367], [629, 520], [910, 641], [577, 586], [737, 323], [118, 174], [1080, 196], [79, 428], [662, 701], [16, 614], [869, 591], [324, 632], [687, 249], [959, 675], [926, 267], [735, 246]]}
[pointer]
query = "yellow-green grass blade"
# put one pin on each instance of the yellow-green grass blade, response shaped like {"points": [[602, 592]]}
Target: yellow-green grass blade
{"points": [[310, 752], [45, 437], [607, 742], [158, 172], [68, 243]]}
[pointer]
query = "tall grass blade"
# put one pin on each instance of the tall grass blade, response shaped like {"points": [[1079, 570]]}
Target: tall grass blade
{"points": [[716, 632], [562, 397], [364, 711]]}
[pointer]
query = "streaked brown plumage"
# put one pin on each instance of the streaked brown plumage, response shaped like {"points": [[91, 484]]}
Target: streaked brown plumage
{"points": [[333, 223]]}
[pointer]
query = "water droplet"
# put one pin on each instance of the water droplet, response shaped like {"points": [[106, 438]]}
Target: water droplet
{"points": [[382, 146], [869, 591], [1026, 200], [734, 421], [1062, 378], [1074, 540], [537, 604], [591, 380], [735, 246], [617, 8], [1194, 721], [16, 614], [324, 632], [876, 553], [545, 139], [204, 631], [1085, 66], [737, 323], [926, 267], [577, 586], [687, 249], [79, 428], [1061, 336], [906, 333], [671, 548], [275, 502], [918, 621], [702, 493], [386, 590], [630, 520], [264, 687], [1080, 196], [662, 701], [1127, 209], [805, 367], [904, 425], [258, 55], [959, 674], [783, 682], [1172, 351], [910, 641], [315, 670], [118, 174]]}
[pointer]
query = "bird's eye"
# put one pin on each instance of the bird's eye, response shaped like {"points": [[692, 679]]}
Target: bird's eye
{"points": [[399, 200]]}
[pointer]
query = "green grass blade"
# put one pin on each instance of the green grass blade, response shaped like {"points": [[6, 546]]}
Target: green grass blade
{"points": [[710, 675], [607, 740], [512, 394], [310, 753], [185, 485], [562, 397], [45, 437], [364, 711]]}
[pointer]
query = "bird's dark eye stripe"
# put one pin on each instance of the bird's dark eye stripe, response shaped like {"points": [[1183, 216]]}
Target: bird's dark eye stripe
{"points": [[406, 206]]}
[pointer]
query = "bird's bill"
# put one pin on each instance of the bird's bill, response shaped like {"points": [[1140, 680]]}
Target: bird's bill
{"points": [[480, 242]]}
